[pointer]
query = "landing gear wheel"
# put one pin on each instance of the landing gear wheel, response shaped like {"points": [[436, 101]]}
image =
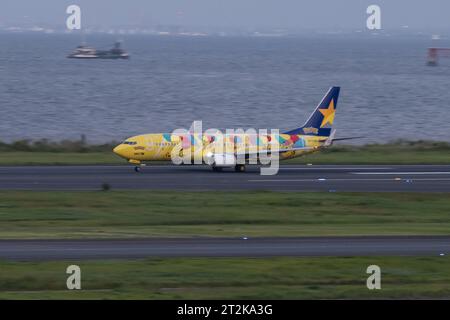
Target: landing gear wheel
{"points": [[217, 169], [239, 168], [137, 169]]}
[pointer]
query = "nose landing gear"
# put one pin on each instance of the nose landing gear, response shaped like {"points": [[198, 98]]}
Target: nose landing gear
{"points": [[139, 167], [138, 164]]}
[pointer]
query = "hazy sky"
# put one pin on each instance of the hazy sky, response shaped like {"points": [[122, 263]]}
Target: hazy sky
{"points": [[308, 14]]}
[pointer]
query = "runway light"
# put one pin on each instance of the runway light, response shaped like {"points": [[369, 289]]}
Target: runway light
{"points": [[442, 254], [309, 164], [245, 238], [398, 179], [321, 179]]}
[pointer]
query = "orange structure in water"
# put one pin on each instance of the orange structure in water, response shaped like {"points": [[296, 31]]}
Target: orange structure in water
{"points": [[433, 55]]}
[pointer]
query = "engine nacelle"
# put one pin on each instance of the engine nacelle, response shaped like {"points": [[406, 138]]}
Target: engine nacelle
{"points": [[221, 160]]}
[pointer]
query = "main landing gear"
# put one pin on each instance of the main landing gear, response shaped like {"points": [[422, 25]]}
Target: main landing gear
{"points": [[237, 168]]}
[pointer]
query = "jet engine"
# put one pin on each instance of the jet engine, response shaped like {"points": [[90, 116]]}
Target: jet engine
{"points": [[220, 159]]}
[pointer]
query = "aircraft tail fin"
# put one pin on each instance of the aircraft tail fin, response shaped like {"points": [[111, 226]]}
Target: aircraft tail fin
{"points": [[320, 122]]}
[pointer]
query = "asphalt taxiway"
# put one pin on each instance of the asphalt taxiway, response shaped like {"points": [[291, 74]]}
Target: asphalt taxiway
{"points": [[328, 178], [27, 250]]}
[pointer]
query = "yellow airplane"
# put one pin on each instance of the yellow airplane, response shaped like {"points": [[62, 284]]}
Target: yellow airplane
{"points": [[315, 134]]}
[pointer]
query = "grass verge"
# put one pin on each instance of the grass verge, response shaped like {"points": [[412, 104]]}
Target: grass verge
{"points": [[230, 278], [393, 153], [122, 214], [77, 153]]}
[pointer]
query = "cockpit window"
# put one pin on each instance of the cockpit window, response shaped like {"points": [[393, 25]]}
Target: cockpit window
{"points": [[131, 143]]}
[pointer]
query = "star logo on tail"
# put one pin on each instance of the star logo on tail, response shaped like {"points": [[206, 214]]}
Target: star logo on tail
{"points": [[328, 114]]}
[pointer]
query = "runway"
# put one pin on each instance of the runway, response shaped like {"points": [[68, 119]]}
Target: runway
{"points": [[223, 247], [324, 178]]}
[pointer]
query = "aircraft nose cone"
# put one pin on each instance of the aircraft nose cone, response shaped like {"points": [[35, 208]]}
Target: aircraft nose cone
{"points": [[120, 151]]}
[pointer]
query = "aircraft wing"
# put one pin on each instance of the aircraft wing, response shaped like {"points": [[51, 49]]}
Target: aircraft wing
{"points": [[269, 151]]}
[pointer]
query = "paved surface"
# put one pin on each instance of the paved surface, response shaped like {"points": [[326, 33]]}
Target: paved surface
{"points": [[223, 247], [417, 178]]}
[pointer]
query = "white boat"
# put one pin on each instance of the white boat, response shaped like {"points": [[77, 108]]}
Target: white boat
{"points": [[85, 52]]}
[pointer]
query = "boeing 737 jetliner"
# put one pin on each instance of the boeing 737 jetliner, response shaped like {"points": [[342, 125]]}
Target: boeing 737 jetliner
{"points": [[315, 134]]}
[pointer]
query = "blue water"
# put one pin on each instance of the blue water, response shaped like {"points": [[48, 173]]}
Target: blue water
{"points": [[387, 92]]}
